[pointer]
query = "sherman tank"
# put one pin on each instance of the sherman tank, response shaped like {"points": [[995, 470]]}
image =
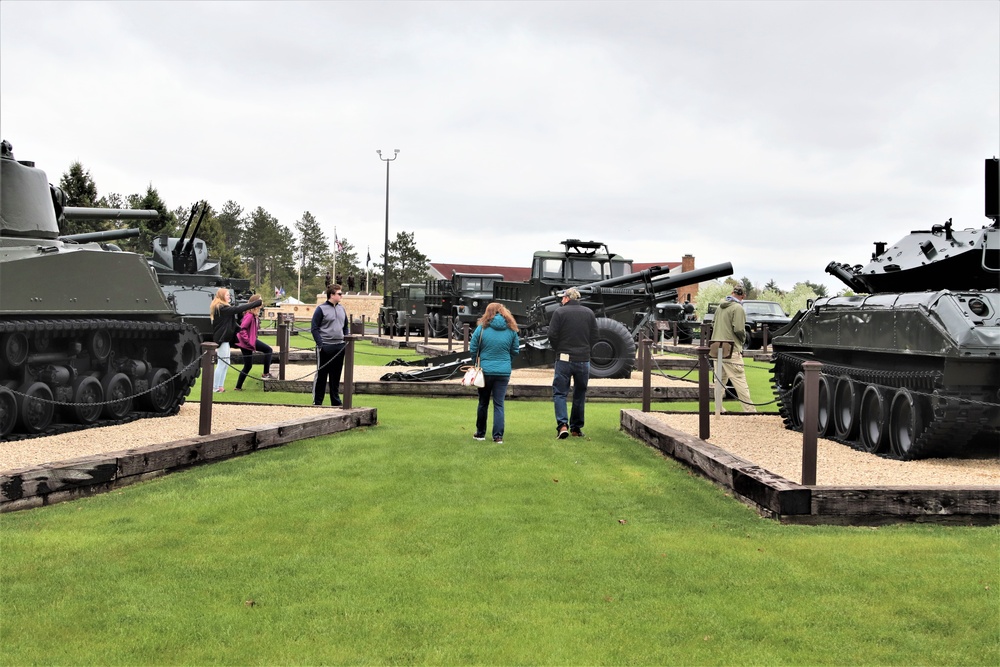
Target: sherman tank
{"points": [[911, 365], [87, 337]]}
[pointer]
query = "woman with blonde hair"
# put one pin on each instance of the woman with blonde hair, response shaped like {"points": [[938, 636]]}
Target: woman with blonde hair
{"points": [[246, 340], [495, 343], [224, 325]]}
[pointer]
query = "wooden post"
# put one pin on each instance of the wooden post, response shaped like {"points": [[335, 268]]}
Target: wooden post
{"points": [[349, 372], [675, 327], [810, 423], [647, 368], [720, 395], [205, 415], [284, 336], [406, 325], [465, 337], [764, 346], [451, 332], [703, 420], [427, 326]]}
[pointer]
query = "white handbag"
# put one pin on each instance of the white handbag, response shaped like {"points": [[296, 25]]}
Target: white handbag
{"points": [[474, 374]]}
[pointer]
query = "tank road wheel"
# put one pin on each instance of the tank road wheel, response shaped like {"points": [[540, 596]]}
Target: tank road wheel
{"points": [[99, 345], [907, 420], [824, 421], [8, 411], [846, 401], [35, 415], [796, 403], [873, 418], [15, 349], [161, 395], [88, 394], [118, 389], [613, 353]]}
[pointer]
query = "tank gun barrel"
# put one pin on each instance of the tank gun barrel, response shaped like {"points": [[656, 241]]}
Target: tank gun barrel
{"points": [[110, 235], [87, 213], [846, 275]]}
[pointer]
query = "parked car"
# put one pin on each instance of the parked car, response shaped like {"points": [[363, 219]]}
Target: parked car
{"points": [[758, 314]]}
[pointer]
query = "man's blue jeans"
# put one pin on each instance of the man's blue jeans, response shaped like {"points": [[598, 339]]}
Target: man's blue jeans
{"points": [[495, 387], [579, 372]]}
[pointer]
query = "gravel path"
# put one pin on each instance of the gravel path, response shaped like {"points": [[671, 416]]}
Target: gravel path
{"points": [[764, 440]]}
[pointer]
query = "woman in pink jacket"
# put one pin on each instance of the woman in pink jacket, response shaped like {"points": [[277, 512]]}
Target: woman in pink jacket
{"points": [[246, 340]]}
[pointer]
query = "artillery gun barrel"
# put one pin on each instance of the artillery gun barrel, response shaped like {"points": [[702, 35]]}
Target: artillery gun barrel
{"points": [[85, 213], [110, 235]]}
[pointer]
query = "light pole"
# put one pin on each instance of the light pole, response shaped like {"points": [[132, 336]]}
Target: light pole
{"points": [[385, 257]]}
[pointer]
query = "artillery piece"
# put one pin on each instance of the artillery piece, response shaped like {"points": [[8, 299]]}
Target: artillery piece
{"points": [[189, 277], [613, 353], [911, 368], [87, 337]]}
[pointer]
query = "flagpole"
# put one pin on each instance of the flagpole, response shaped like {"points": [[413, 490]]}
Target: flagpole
{"points": [[334, 276]]}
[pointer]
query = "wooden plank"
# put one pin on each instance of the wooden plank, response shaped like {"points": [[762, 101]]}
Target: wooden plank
{"points": [[47, 479], [771, 491], [454, 389], [185, 452], [269, 435], [912, 501]]}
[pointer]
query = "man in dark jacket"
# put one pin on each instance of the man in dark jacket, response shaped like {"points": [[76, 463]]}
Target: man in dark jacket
{"points": [[329, 326], [572, 332]]}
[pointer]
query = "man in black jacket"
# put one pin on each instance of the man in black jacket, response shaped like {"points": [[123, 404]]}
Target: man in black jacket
{"points": [[572, 332]]}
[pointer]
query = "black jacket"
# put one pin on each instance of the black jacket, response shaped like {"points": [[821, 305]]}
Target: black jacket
{"points": [[224, 324], [573, 331]]}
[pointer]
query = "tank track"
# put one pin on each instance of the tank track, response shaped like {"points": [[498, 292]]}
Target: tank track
{"points": [[955, 417], [49, 350]]}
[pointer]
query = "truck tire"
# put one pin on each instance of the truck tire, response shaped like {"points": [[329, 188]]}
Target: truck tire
{"points": [[613, 353]]}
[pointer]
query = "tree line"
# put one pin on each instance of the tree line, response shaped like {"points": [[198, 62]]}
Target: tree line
{"points": [[252, 245]]}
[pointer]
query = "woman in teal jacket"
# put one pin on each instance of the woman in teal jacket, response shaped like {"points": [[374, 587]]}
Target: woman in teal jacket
{"points": [[495, 343]]}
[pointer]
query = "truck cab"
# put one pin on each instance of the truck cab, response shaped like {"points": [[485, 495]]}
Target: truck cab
{"points": [[463, 298], [403, 308]]}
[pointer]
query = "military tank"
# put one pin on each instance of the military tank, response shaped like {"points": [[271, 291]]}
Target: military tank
{"points": [[189, 277], [87, 337], [911, 367]]}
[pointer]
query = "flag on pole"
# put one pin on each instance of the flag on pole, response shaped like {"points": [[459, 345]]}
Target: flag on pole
{"points": [[369, 260], [337, 244]]}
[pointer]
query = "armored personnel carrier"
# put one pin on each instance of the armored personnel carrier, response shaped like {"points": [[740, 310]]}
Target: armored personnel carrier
{"points": [[87, 336], [189, 277], [911, 368]]}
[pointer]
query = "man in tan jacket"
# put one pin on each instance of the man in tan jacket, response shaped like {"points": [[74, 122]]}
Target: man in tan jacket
{"points": [[729, 330]]}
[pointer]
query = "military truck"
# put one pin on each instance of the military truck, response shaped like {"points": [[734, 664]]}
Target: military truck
{"points": [[401, 307], [463, 298]]}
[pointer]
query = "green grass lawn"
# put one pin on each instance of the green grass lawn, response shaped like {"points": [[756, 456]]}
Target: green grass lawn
{"points": [[410, 543]]}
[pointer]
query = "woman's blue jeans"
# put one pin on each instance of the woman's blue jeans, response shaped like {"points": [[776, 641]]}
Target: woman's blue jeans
{"points": [[495, 387], [579, 372]]}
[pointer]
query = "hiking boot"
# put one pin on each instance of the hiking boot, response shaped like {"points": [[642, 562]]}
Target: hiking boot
{"points": [[498, 440], [576, 433], [479, 436], [562, 432]]}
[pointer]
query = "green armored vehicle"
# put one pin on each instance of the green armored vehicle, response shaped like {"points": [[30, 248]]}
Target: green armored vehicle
{"points": [[911, 367], [87, 336]]}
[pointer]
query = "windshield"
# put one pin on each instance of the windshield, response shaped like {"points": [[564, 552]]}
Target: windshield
{"points": [[763, 309]]}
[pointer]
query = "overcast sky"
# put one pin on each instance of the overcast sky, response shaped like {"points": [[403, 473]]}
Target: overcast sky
{"points": [[776, 136]]}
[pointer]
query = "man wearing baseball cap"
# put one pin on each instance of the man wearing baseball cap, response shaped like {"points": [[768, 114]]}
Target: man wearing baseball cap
{"points": [[572, 332], [730, 331]]}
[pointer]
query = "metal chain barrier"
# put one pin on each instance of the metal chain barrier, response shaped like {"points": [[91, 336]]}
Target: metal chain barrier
{"points": [[117, 400]]}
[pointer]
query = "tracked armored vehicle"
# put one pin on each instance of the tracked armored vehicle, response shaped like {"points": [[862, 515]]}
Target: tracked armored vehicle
{"points": [[911, 368], [87, 336], [189, 277]]}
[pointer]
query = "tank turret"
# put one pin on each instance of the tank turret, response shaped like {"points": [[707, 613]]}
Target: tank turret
{"points": [[87, 336], [911, 366]]}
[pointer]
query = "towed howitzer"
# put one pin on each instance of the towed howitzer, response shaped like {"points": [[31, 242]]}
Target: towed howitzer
{"points": [[613, 354]]}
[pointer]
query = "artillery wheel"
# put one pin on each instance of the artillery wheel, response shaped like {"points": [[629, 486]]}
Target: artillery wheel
{"points": [[846, 401], [873, 418], [907, 420], [8, 411], [35, 415], [613, 353], [117, 390], [161, 394], [88, 394], [99, 344]]}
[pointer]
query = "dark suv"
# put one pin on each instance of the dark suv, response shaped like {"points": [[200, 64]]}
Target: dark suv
{"points": [[758, 314]]}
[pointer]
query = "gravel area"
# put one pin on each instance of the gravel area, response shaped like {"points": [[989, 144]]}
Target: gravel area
{"points": [[764, 440]]}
